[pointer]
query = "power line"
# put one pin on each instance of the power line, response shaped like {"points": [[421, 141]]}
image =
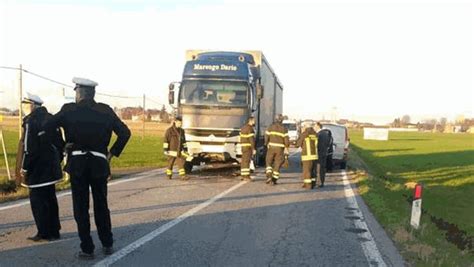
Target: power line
{"points": [[63, 84]]}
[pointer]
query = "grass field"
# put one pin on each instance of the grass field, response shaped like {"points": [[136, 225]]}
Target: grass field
{"points": [[139, 154], [444, 164]]}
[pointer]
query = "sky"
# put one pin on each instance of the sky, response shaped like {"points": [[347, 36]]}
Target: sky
{"points": [[362, 60]]}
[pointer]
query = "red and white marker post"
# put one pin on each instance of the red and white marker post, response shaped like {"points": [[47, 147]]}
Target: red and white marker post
{"points": [[416, 206]]}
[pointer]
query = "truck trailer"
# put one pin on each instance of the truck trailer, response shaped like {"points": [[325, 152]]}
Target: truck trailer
{"points": [[217, 94]]}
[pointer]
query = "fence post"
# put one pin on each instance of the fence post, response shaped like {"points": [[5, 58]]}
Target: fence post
{"points": [[144, 116], [20, 93]]}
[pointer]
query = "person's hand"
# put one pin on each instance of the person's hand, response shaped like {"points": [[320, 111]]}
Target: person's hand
{"points": [[109, 178], [254, 152], [287, 151], [109, 157], [23, 174]]}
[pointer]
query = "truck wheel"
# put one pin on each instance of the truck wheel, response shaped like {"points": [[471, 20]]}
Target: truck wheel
{"points": [[188, 167], [343, 165]]}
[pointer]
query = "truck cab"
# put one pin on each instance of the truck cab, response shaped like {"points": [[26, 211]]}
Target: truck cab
{"points": [[218, 92], [293, 130]]}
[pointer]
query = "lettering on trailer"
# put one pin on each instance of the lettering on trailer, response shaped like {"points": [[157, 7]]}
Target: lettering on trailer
{"points": [[215, 67]]}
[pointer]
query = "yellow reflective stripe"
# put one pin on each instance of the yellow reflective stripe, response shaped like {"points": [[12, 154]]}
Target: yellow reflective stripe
{"points": [[173, 153], [169, 172], [277, 133], [309, 157], [185, 154], [247, 135], [307, 181], [244, 170], [166, 145], [276, 144], [267, 132], [245, 144], [312, 136], [308, 146], [313, 179], [277, 173]]}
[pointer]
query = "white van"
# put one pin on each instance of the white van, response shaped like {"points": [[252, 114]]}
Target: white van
{"points": [[293, 130], [341, 139]]}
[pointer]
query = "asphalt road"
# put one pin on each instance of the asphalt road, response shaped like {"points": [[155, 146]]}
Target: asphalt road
{"points": [[214, 219]]}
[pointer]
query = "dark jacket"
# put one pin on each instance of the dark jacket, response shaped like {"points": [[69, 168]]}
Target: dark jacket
{"points": [[247, 137], [88, 127], [175, 141], [41, 150], [277, 136], [308, 142], [324, 142]]}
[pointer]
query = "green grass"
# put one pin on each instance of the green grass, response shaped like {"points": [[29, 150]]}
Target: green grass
{"points": [[444, 164], [138, 154]]}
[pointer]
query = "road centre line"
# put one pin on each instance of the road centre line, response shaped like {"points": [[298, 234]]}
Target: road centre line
{"points": [[155, 233]]}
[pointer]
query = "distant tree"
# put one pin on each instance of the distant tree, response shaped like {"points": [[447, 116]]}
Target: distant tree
{"points": [[396, 123], [405, 120], [443, 121]]}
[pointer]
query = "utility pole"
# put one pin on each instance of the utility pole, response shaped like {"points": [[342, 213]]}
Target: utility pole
{"points": [[20, 94], [144, 116]]}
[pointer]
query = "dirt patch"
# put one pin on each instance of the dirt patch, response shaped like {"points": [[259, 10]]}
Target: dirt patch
{"points": [[423, 251], [455, 235], [402, 235]]}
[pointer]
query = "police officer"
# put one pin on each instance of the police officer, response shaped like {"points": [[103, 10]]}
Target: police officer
{"points": [[324, 145], [40, 169], [277, 142], [308, 143], [176, 149], [88, 127], [247, 143]]}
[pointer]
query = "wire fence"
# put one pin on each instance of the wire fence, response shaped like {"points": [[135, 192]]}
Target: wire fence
{"points": [[145, 115]]}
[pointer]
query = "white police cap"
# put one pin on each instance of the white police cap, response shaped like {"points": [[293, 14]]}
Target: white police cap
{"points": [[34, 99], [84, 82]]}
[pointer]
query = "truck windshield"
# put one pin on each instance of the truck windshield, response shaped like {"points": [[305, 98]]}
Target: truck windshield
{"points": [[290, 126], [222, 93]]}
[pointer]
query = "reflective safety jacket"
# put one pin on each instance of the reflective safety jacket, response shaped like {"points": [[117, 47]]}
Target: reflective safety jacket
{"points": [[247, 137], [175, 141], [277, 136], [308, 141]]}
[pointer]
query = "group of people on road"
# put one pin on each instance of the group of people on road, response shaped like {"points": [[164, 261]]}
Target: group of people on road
{"points": [[314, 144], [88, 128]]}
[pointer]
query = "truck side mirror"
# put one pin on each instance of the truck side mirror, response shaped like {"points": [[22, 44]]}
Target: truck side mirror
{"points": [[259, 89], [171, 94]]}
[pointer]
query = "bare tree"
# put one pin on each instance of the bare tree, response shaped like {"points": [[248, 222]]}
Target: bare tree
{"points": [[443, 121]]}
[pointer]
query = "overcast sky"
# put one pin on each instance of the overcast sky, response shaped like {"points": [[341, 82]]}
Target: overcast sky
{"points": [[362, 60]]}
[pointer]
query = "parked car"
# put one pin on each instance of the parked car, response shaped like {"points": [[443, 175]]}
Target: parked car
{"points": [[340, 144], [293, 130]]}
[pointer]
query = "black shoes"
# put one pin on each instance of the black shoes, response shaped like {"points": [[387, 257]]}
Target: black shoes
{"points": [[169, 177], [54, 237], [184, 177], [37, 238], [274, 181], [108, 250], [85, 256]]}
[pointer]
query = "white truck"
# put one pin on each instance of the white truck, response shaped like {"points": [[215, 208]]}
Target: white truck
{"points": [[218, 92]]}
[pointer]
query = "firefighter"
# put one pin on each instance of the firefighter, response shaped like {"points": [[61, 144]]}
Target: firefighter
{"points": [[40, 167], [88, 128], [325, 142], [277, 142], [247, 143], [176, 149], [308, 141]]}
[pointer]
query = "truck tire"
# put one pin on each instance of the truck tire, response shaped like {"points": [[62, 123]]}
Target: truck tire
{"points": [[343, 165], [188, 167]]}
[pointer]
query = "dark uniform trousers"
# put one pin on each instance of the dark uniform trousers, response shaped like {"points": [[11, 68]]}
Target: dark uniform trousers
{"points": [[245, 162], [44, 206], [274, 160], [321, 168], [80, 197]]}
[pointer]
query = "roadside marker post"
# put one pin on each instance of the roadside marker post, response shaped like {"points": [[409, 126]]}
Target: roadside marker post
{"points": [[416, 206]]}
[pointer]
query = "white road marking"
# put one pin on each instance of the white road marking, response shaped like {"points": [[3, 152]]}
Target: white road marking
{"points": [[372, 253], [68, 192], [155, 233]]}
